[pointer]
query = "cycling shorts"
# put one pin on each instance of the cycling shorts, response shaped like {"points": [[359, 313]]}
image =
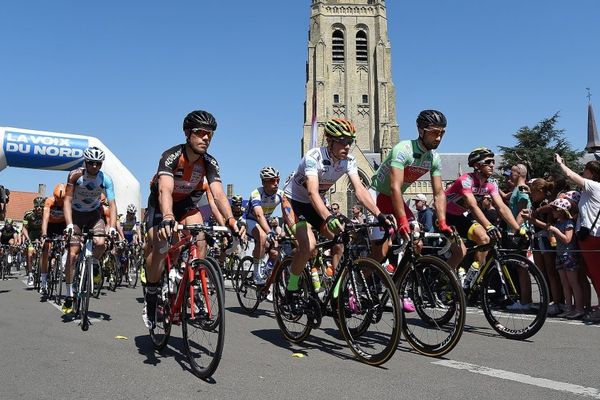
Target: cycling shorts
{"points": [[303, 212], [384, 203], [90, 220], [55, 229], [181, 209], [464, 225]]}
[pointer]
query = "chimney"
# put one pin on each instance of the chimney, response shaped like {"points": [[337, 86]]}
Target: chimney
{"points": [[42, 190], [229, 190]]}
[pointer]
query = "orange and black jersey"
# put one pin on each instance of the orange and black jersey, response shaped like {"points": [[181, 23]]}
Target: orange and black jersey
{"points": [[188, 176]]}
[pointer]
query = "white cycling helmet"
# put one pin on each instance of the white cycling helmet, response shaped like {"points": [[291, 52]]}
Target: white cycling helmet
{"points": [[268, 173], [93, 154], [131, 209]]}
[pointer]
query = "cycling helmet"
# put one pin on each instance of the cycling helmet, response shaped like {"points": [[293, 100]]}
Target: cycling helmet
{"points": [[431, 117], [59, 191], [268, 173], [479, 154], [8, 221], [39, 201], [338, 127], [200, 119], [131, 209], [236, 200], [93, 154]]}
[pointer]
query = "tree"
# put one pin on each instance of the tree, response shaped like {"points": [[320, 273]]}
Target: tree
{"points": [[536, 147]]}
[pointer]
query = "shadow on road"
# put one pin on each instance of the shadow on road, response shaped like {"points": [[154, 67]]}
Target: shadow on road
{"points": [[173, 349], [255, 314], [4, 291]]}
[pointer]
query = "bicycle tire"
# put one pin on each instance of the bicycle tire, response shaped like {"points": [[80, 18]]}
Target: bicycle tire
{"points": [[363, 286], [161, 332], [58, 280], [245, 289], [440, 306], [132, 271], [84, 298], [294, 328], [113, 273], [232, 263], [4, 263], [518, 325], [215, 263], [203, 349]]}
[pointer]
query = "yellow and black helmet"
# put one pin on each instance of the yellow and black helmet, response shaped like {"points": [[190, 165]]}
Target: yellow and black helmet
{"points": [[338, 127]]}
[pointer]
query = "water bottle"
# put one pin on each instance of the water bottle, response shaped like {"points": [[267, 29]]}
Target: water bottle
{"points": [[314, 274], [472, 274], [268, 268], [462, 277], [173, 281], [552, 239]]}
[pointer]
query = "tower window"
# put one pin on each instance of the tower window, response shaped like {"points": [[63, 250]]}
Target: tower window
{"points": [[362, 54], [336, 99], [365, 99], [337, 48]]}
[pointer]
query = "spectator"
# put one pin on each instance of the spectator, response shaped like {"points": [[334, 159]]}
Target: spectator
{"points": [[588, 229], [519, 198], [335, 209], [4, 197], [424, 212], [357, 215]]}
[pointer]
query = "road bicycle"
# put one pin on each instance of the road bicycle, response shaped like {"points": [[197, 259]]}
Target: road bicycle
{"points": [[55, 268], [506, 279], [191, 294], [437, 324], [355, 299]]}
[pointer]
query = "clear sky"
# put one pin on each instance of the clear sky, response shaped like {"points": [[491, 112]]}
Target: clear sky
{"points": [[127, 72]]}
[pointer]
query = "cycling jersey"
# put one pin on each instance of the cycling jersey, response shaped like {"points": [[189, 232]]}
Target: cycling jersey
{"points": [[129, 227], [318, 162], [467, 183], [33, 222], [267, 202], [188, 176], [88, 188], [410, 157], [7, 233], [57, 215]]}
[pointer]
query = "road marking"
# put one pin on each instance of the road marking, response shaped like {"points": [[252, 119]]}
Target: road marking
{"points": [[527, 379]]}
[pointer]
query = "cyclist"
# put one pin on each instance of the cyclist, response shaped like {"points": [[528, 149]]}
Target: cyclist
{"points": [[261, 204], [175, 191], [9, 236], [407, 162], [320, 168], [32, 233], [236, 207], [53, 223], [83, 210], [464, 197], [128, 225]]}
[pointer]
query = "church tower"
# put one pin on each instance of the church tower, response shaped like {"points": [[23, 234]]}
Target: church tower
{"points": [[349, 75]]}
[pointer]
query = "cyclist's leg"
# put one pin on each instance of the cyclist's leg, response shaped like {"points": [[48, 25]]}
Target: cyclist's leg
{"points": [[30, 255], [44, 266], [260, 241]]}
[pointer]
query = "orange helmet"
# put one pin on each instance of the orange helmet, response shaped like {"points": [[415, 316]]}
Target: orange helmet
{"points": [[59, 191]]}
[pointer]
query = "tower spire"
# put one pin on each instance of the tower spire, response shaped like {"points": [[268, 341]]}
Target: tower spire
{"points": [[593, 143]]}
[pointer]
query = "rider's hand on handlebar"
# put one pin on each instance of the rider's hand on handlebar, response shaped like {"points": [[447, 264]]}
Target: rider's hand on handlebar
{"points": [[69, 229], [445, 229], [167, 227], [494, 233], [404, 227], [334, 224]]}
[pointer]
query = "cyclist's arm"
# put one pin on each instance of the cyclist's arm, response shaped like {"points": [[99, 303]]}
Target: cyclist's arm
{"points": [[112, 208], [504, 211], [363, 195], [439, 197], [260, 218], [222, 203], [45, 219], [396, 182], [166, 184], [120, 230], [213, 207], [25, 232], [312, 186], [67, 203]]}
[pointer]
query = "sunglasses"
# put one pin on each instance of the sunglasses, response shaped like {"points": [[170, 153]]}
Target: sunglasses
{"points": [[272, 180], [201, 132], [437, 131], [344, 141], [490, 161], [94, 163]]}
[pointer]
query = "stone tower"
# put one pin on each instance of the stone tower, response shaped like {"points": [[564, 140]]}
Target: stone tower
{"points": [[349, 75]]}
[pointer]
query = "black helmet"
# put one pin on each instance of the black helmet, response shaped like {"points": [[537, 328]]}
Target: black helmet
{"points": [[236, 200], [479, 154], [200, 119], [431, 117]]}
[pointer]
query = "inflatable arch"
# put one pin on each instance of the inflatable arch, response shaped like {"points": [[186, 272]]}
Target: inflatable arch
{"points": [[26, 148]]}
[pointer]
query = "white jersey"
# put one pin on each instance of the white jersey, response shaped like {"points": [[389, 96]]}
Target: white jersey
{"points": [[268, 202], [318, 162]]}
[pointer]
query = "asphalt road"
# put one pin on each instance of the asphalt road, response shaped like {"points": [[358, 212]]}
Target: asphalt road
{"points": [[44, 356]]}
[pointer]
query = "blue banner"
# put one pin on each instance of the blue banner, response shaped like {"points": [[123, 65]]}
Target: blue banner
{"points": [[28, 150]]}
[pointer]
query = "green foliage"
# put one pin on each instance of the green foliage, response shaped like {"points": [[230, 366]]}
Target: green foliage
{"points": [[536, 147]]}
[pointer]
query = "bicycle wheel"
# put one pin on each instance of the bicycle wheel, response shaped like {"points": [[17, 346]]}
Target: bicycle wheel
{"points": [[84, 297], [509, 281], [112, 267], [245, 289], [217, 267], [58, 279], [294, 327], [203, 322], [370, 327], [232, 263], [162, 317], [437, 325], [133, 266]]}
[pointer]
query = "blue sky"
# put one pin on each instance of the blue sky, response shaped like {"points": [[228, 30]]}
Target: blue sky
{"points": [[127, 72]]}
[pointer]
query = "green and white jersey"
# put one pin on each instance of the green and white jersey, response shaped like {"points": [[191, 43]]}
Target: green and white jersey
{"points": [[410, 157]]}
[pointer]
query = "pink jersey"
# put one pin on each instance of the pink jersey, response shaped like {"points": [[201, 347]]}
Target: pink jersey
{"points": [[467, 183]]}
